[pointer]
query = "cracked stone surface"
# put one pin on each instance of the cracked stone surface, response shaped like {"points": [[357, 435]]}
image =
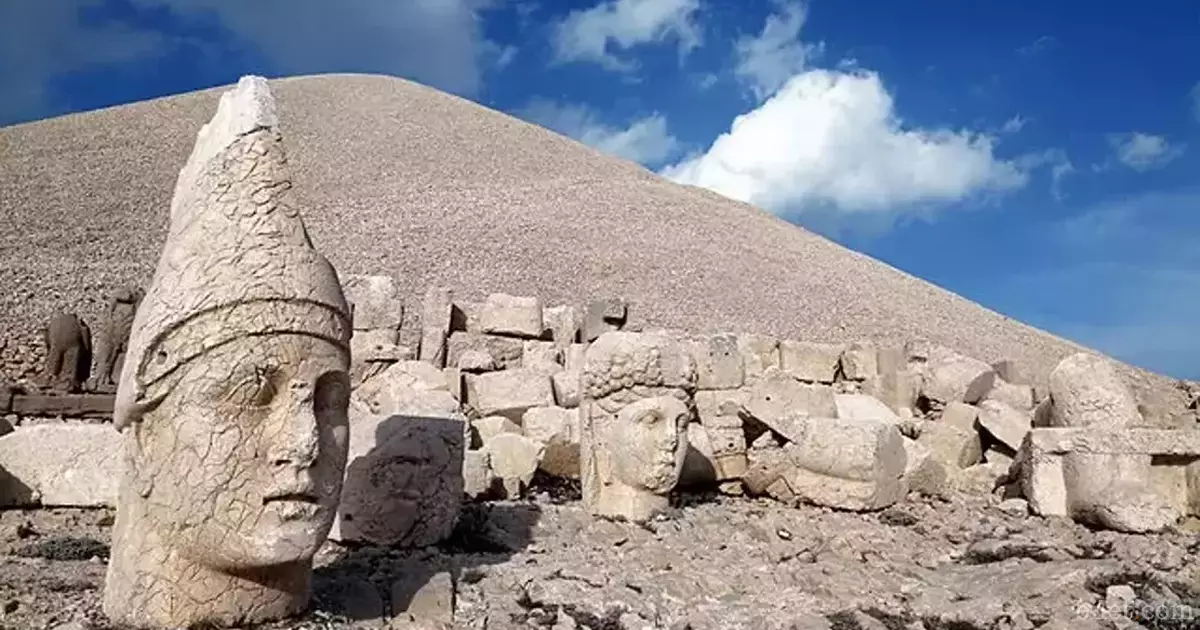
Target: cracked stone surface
{"points": [[233, 399]]}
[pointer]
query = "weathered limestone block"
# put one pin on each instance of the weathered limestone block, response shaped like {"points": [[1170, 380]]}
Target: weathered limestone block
{"points": [[542, 356], [863, 407], [372, 351], [374, 301], [566, 388], [514, 459], [1019, 397], [392, 389], [953, 439], [860, 361], [512, 315], [708, 402], [233, 397], [475, 361], [1004, 423], [898, 390], [62, 405], [638, 393], [810, 361], [603, 316], [505, 351], [489, 427], [1128, 479], [563, 324], [1106, 489], [759, 352], [113, 337], [557, 430], [717, 444], [983, 478], [68, 361], [437, 308], [951, 377], [404, 481], [574, 356], [464, 317], [718, 361], [1010, 372], [454, 382], [925, 473], [847, 464], [777, 397], [60, 465], [477, 473], [509, 393], [891, 358], [423, 601]]}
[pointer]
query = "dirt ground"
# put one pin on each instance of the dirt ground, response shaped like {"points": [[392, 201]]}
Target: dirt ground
{"points": [[713, 563]]}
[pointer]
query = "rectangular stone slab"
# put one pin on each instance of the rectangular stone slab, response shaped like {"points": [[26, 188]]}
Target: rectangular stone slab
{"points": [[1122, 441], [65, 405]]}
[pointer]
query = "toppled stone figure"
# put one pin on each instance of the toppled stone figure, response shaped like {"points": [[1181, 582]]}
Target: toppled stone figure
{"points": [[638, 397], [233, 400], [113, 337], [68, 342]]}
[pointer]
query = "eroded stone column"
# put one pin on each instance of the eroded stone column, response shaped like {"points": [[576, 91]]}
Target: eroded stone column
{"points": [[638, 397], [233, 397]]}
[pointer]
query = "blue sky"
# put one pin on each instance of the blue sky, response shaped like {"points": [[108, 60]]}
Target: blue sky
{"points": [[1040, 158]]}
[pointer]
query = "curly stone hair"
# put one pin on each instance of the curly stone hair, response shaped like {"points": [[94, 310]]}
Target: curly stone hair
{"points": [[625, 369]]}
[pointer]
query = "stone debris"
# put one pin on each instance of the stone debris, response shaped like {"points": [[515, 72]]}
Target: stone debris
{"points": [[1003, 423], [557, 430], [810, 361], [924, 473], [1019, 397], [759, 352], [489, 427], [951, 444], [563, 324], [846, 464], [504, 351], [863, 407], [566, 388], [375, 302], [475, 361], [951, 377], [718, 362], [603, 316], [477, 473], [436, 311], [514, 316], [777, 398], [542, 356]]}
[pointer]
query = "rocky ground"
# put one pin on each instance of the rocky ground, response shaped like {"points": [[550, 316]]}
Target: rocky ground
{"points": [[719, 563]]}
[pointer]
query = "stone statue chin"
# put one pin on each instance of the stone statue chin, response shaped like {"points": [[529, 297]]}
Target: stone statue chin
{"points": [[233, 396], [637, 404]]}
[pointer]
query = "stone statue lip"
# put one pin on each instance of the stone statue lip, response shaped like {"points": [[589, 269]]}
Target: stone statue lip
{"points": [[302, 492]]}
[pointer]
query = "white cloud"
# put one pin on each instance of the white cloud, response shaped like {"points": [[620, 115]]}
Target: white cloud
{"points": [[1014, 124], [831, 137], [437, 42], [646, 141], [1143, 152], [766, 61], [586, 35], [1060, 167]]}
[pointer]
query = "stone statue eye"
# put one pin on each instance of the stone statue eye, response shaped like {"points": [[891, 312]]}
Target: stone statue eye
{"points": [[256, 389], [649, 418]]}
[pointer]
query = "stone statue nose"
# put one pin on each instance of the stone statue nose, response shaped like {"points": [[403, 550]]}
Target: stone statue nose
{"points": [[296, 444]]}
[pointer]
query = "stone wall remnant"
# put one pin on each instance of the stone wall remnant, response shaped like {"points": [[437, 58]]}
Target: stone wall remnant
{"points": [[233, 398]]}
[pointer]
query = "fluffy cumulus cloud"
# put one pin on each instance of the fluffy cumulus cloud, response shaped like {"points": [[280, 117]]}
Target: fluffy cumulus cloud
{"points": [[833, 138], [588, 34], [767, 60], [647, 140], [438, 42], [1143, 152]]}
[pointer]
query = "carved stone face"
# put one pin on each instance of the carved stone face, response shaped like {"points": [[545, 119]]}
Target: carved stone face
{"points": [[243, 458], [648, 443]]}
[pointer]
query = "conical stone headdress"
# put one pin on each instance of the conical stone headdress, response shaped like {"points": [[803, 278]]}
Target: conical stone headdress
{"points": [[237, 262]]}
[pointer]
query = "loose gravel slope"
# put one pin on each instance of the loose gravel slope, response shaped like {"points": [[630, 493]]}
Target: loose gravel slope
{"points": [[399, 178]]}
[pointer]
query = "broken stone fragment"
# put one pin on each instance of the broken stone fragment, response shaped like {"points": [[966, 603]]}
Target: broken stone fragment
{"points": [[847, 464], [371, 351], [566, 389], [863, 407], [505, 351], [514, 459], [375, 302], [980, 479], [391, 390], [475, 361], [436, 312], [860, 361], [1010, 372], [60, 465], [454, 382], [925, 473], [896, 389], [1005, 424], [603, 316], [1086, 391], [777, 397], [1019, 397], [477, 473], [514, 316], [421, 601], [489, 427], [953, 439], [509, 393], [557, 430], [542, 356], [759, 352], [718, 362], [951, 377], [810, 361], [433, 346], [563, 324]]}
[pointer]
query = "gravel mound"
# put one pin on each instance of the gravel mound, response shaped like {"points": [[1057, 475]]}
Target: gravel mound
{"points": [[399, 178]]}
